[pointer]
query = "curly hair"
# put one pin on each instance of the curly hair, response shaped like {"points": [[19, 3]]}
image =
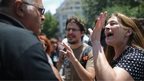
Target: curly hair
{"points": [[74, 19]]}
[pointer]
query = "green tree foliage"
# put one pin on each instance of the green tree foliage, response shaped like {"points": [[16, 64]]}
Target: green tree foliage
{"points": [[50, 25], [140, 7], [123, 9], [92, 8]]}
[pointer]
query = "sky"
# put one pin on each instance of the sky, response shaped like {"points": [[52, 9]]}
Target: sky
{"points": [[52, 5]]}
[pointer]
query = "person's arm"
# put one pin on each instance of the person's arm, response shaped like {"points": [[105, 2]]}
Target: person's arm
{"points": [[104, 71], [84, 74], [60, 61], [56, 73]]}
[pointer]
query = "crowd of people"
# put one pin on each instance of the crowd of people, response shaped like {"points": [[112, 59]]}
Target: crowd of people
{"points": [[26, 53]]}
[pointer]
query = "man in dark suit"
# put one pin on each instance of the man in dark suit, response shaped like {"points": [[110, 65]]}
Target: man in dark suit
{"points": [[22, 56]]}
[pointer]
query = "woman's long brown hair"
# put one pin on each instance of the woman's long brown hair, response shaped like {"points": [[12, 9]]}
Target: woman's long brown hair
{"points": [[135, 40]]}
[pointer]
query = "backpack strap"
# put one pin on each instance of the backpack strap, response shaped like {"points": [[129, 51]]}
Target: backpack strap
{"points": [[85, 57]]}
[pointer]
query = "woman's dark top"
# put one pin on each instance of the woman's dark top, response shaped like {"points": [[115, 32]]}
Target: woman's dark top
{"points": [[132, 60]]}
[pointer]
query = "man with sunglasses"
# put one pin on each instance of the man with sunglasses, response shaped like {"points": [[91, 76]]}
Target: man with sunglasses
{"points": [[21, 54]]}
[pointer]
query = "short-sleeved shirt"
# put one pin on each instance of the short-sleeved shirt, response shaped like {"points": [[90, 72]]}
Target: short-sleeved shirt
{"points": [[69, 70], [132, 60]]}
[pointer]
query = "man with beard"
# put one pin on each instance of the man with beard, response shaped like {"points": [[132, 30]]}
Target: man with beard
{"points": [[78, 65]]}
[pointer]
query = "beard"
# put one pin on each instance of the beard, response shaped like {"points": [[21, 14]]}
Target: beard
{"points": [[72, 39], [72, 42]]}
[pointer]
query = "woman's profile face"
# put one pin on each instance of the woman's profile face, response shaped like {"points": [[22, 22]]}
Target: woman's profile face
{"points": [[114, 32]]}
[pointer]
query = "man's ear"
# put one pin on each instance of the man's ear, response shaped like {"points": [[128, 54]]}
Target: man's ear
{"points": [[19, 8], [82, 32]]}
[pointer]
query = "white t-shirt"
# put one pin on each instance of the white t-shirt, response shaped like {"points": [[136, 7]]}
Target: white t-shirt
{"points": [[49, 59]]}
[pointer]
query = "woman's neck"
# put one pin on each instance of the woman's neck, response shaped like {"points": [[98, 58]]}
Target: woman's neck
{"points": [[119, 49]]}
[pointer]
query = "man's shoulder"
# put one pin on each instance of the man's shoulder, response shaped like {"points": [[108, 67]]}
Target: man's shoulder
{"points": [[15, 36], [85, 45], [14, 31], [86, 48]]}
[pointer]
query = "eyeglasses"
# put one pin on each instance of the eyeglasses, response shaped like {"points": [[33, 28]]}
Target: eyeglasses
{"points": [[72, 29], [41, 10]]}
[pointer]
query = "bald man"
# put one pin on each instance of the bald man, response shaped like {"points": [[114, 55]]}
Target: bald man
{"points": [[21, 54]]}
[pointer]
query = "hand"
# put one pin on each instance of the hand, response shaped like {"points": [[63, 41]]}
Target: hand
{"points": [[68, 53], [61, 54], [95, 34]]}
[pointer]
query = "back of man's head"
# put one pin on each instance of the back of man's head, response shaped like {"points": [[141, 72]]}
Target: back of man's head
{"points": [[6, 3], [21, 10]]}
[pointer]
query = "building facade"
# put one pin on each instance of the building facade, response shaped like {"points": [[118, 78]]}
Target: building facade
{"points": [[67, 9]]}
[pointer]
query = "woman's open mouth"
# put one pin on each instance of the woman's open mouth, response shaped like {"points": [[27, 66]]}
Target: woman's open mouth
{"points": [[109, 34]]}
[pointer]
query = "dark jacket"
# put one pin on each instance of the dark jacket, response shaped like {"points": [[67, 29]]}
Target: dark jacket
{"points": [[21, 54]]}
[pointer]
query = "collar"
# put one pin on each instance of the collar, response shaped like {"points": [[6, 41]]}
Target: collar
{"points": [[10, 20]]}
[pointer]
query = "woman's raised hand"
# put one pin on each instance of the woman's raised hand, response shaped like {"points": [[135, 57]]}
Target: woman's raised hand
{"points": [[95, 34]]}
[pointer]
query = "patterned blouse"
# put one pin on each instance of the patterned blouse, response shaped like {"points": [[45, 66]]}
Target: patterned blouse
{"points": [[132, 60]]}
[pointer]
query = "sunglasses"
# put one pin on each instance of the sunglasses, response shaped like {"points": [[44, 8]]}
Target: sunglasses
{"points": [[41, 10]]}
